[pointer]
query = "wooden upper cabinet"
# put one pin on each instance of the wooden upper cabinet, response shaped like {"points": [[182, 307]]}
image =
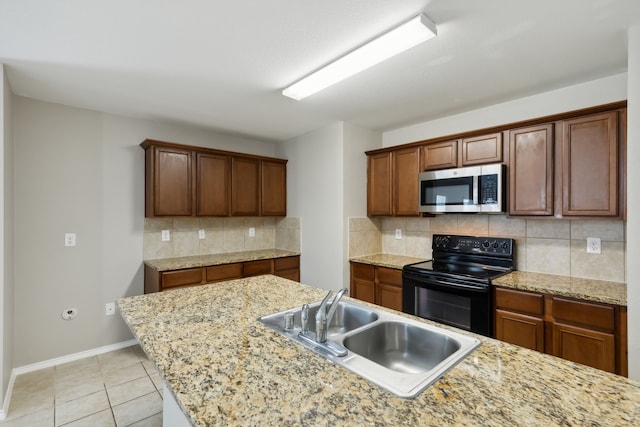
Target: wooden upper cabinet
{"points": [[168, 182], [182, 180], [273, 196], [406, 167], [440, 155], [212, 185], [590, 165], [531, 170], [245, 186], [379, 184], [481, 150]]}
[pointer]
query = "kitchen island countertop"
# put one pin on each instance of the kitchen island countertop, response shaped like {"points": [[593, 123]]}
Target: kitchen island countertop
{"points": [[223, 367]]}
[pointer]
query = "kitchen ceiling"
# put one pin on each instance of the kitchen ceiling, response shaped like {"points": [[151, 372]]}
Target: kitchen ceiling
{"points": [[223, 64]]}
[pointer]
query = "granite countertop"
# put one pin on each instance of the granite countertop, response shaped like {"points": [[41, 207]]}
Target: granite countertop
{"points": [[166, 264], [387, 260], [223, 367], [574, 287]]}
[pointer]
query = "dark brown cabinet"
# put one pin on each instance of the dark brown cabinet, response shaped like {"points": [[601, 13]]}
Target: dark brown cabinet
{"points": [[157, 281], [531, 170], [169, 174], [379, 184], [245, 186], [439, 155], [480, 150], [194, 181], [392, 185], [377, 285], [585, 332], [519, 318], [273, 188], [590, 165], [212, 185], [568, 168]]}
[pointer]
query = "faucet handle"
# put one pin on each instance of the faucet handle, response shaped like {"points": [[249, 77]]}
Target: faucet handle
{"points": [[304, 318]]}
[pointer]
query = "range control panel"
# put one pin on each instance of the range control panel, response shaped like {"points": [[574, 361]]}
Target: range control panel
{"points": [[472, 244]]}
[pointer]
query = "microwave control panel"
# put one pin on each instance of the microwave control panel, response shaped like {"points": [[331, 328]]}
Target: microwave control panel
{"points": [[488, 189]]}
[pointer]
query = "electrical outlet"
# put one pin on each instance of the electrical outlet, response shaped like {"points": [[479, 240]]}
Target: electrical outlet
{"points": [[593, 245], [70, 239], [201, 234], [166, 235], [398, 233], [252, 232], [110, 309]]}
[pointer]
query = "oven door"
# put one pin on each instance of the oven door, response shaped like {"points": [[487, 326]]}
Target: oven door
{"points": [[453, 302]]}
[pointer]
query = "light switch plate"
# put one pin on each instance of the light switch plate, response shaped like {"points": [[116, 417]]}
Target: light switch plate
{"points": [[398, 233], [166, 235], [201, 234], [252, 232]]}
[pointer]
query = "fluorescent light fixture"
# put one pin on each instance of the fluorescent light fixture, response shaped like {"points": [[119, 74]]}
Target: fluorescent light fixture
{"points": [[413, 32]]}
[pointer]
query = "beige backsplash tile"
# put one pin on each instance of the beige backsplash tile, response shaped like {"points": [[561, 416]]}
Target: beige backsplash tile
{"points": [[418, 244], [612, 231], [185, 243], [157, 224], [154, 247], [551, 256], [500, 225], [608, 265], [473, 225], [213, 242], [444, 224], [550, 228], [186, 224]]}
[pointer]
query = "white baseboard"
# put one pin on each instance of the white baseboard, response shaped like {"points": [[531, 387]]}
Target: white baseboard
{"points": [[57, 361]]}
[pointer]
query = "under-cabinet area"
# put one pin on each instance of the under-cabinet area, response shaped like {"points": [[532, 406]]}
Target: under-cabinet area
{"points": [[176, 273], [586, 332], [570, 165], [186, 181]]}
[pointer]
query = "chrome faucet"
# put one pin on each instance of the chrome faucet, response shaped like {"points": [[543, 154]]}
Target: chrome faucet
{"points": [[323, 318]]}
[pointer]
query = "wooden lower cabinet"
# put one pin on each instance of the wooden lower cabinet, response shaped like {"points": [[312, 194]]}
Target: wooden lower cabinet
{"points": [[590, 333], [157, 281], [377, 285]]}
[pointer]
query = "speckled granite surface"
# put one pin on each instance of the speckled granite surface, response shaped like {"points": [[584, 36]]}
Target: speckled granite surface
{"points": [[575, 287], [225, 368], [387, 260], [216, 259]]}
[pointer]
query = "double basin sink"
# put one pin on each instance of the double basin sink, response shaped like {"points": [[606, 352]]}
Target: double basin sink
{"points": [[399, 354]]}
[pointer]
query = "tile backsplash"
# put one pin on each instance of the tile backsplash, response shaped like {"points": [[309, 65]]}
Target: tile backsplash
{"points": [[552, 246], [222, 235]]}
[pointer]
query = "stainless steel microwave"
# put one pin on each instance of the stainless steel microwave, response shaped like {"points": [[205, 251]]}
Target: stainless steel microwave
{"points": [[465, 190]]}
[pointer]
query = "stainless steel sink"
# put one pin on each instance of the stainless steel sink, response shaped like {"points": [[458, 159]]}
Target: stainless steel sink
{"points": [[402, 347], [403, 355]]}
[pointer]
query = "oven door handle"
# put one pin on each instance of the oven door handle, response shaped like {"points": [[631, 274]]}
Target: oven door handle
{"points": [[443, 284]]}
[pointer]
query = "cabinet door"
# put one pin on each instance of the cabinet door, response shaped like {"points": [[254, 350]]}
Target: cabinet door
{"points": [[287, 267], [406, 166], [219, 273], [212, 185], [531, 171], [586, 346], [245, 183], [273, 197], [520, 329], [257, 268], [171, 192], [481, 150], [441, 155], [590, 165], [389, 288], [187, 277], [379, 184], [362, 282]]}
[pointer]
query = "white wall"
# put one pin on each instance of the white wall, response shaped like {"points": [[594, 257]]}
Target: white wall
{"points": [[356, 141], [6, 232], [82, 171], [596, 92], [315, 195], [633, 202]]}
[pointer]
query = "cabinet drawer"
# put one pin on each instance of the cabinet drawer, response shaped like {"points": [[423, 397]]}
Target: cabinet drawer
{"points": [[390, 276], [219, 273], [523, 302], [256, 268], [363, 271], [287, 263], [593, 315], [191, 276]]}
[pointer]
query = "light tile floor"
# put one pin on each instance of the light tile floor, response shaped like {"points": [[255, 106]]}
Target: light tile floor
{"points": [[119, 388]]}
